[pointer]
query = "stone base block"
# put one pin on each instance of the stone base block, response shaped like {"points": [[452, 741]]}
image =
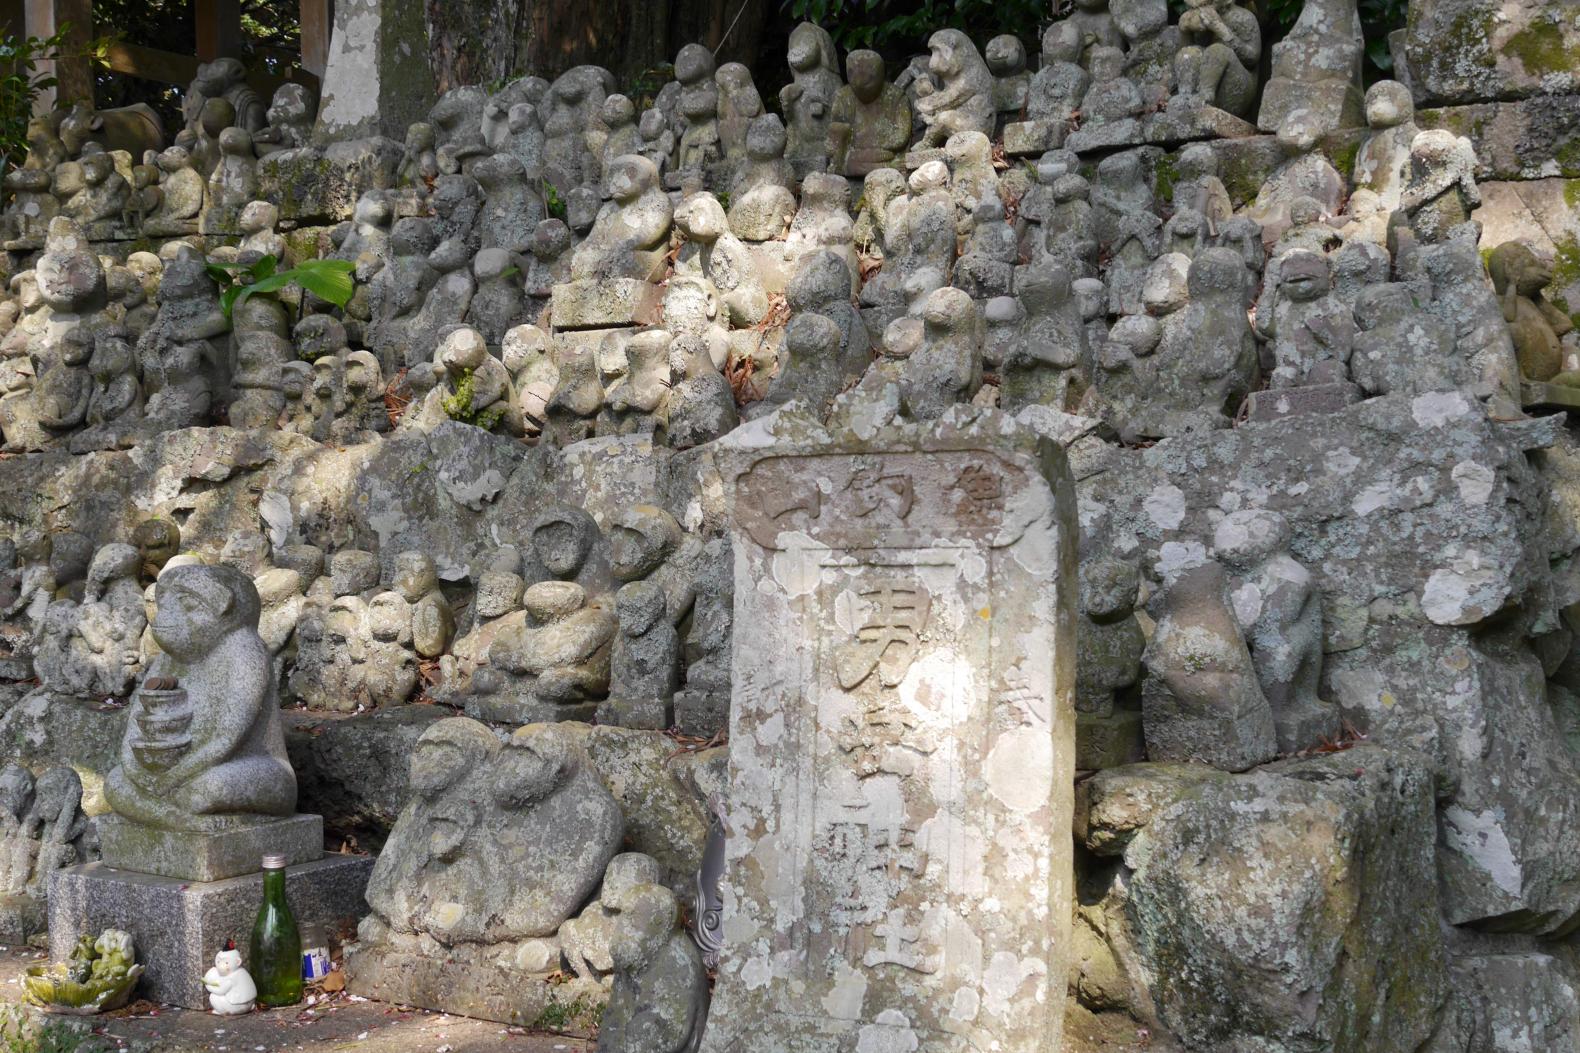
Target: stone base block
{"points": [[1225, 740], [1108, 740], [1522, 139], [921, 155], [1334, 103], [322, 186], [179, 926], [487, 992], [1303, 727], [648, 714], [1026, 138], [22, 917], [1111, 135], [1276, 404], [605, 303], [209, 856], [1188, 124], [1534, 395], [517, 712], [704, 713]]}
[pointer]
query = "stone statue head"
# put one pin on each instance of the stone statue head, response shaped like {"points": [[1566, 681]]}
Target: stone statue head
{"points": [[389, 618], [811, 48], [1299, 132], [934, 175], [1514, 262], [1044, 287], [1005, 55], [412, 236], [701, 218], [1138, 334], [1305, 276], [735, 81], [1245, 538], [766, 138], [562, 537], [694, 64], [1388, 105], [951, 54], [630, 176], [1070, 187], [1216, 274], [534, 763], [16, 790], [463, 349], [641, 538], [1109, 589], [318, 336], [1197, 161], [1107, 63], [1062, 43], [198, 606], [57, 796], [618, 111], [1304, 211], [449, 750], [292, 105], [415, 575], [258, 216], [157, 540], [217, 115], [864, 71], [1166, 286], [113, 562], [648, 916], [363, 377]]}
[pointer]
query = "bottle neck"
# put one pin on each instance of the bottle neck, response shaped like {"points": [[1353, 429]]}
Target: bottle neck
{"points": [[274, 886]]}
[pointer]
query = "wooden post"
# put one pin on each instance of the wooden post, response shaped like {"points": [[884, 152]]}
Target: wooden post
{"points": [[43, 18], [218, 25], [315, 25]]}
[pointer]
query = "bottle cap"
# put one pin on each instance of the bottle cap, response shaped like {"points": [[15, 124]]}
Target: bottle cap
{"points": [[274, 862]]}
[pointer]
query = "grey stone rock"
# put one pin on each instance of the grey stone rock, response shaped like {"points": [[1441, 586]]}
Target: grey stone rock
{"points": [[204, 857], [1472, 50]]}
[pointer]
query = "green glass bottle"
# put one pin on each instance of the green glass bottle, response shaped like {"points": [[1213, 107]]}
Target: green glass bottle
{"points": [[276, 961]]}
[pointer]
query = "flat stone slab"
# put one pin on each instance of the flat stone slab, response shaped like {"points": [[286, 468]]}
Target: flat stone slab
{"points": [[209, 857], [467, 989], [1202, 122], [1534, 395], [605, 303], [179, 926], [1276, 404]]}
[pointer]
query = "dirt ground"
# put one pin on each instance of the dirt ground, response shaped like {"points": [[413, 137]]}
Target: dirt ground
{"points": [[339, 1022]]}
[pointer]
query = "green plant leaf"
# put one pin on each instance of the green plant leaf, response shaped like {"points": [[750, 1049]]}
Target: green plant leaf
{"points": [[329, 280]]}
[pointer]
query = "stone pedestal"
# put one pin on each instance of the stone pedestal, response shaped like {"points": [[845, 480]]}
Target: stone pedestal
{"points": [[490, 991], [1025, 138], [1276, 404], [901, 738], [126, 845], [179, 926]]}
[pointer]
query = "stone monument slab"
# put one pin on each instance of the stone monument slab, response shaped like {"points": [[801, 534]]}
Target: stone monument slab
{"points": [[193, 856], [902, 732], [178, 926]]}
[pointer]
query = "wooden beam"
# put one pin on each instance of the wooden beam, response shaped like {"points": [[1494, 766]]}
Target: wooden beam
{"points": [[218, 25], [168, 67], [315, 27]]}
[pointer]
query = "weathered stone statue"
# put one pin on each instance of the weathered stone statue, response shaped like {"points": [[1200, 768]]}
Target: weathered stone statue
{"points": [[290, 116], [645, 665], [761, 201], [1442, 190], [1317, 67], [962, 98], [659, 1001], [499, 845], [1053, 99], [1537, 326], [204, 749], [1049, 363], [555, 666], [808, 100], [1382, 164], [632, 233], [1310, 330], [1217, 66], [1111, 109], [699, 109], [870, 124], [1109, 646], [947, 368], [1280, 611], [717, 255], [1201, 699], [739, 105]]}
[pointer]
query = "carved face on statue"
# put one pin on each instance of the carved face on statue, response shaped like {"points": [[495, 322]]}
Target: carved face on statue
{"points": [[864, 69], [198, 605], [946, 61], [562, 537], [530, 768], [640, 539]]}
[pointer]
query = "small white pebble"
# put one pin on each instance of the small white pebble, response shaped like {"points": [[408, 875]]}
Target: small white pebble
{"points": [[362, 1037]]}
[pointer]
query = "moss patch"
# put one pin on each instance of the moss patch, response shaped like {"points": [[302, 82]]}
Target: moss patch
{"points": [[1541, 48]]}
